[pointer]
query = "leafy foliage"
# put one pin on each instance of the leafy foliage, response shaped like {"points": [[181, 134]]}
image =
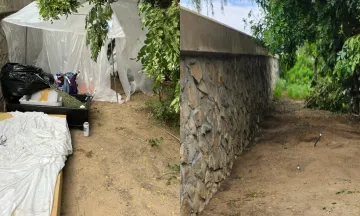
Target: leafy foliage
{"points": [[302, 72], [162, 109], [326, 31], [155, 142], [96, 24], [199, 4], [158, 3], [160, 54], [96, 21], [296, 82], [330, 95], [175, 104], [160, 57], [298, 91], [52, 10], [280, 87], [348, 58], [289, 24]]}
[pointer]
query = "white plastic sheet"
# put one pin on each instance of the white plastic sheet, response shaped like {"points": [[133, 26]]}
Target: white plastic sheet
{"points": [[60, 47], [36, 149]]}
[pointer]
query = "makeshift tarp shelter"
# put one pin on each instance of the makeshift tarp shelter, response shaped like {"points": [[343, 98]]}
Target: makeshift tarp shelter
{"points": [[59, 47]]}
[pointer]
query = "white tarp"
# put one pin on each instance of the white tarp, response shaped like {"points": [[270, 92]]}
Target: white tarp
{"points": [[60, 47], [36, 149]]}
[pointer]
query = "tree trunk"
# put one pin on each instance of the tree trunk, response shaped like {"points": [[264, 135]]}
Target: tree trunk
{"points": [[315, 67], [356, 98]]}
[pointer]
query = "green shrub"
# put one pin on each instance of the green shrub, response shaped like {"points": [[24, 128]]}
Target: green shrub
{"points": [[296, 81], [161, 110], [302, 72], [298, 91], [279, 87], [155, 142], [160, 55], [293, 90], [330, 95]]}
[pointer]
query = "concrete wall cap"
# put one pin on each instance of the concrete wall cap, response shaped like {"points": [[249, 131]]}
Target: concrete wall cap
{"points": [[202, 34]]}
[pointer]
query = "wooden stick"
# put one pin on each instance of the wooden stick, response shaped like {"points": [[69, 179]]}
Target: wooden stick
{"points": [[171, 135]]}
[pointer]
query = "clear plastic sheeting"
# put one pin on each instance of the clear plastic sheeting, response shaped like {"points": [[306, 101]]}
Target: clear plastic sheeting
{"points": [[60, 47], [35, 151]]}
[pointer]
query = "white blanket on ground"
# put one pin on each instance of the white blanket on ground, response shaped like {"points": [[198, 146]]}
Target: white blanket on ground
{"points": [[36, 149]]}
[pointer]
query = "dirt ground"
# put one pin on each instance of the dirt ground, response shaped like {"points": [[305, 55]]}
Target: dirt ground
{"points": [[265, 179], [115, 171]]}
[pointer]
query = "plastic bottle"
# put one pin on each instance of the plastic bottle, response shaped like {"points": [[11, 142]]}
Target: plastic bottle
{"points": [[86, 129]]}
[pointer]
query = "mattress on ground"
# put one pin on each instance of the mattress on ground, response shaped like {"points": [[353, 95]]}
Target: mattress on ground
{"points": [[36, 149]]}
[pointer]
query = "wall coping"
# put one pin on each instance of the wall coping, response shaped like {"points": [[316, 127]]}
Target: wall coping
{"points": [[201, 34]]}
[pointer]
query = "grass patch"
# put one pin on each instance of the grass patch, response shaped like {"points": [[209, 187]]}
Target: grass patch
{"points": [[280, 87], [298, 91], [155, 142], [343, 191], [292, 90], [340, 192], [296, 82], [174, 167]]}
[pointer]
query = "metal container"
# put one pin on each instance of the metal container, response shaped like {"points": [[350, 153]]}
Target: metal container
{"points": [[86, 129]]}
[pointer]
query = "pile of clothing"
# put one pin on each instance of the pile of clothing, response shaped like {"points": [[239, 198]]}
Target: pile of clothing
{"points": [[67, 82]]}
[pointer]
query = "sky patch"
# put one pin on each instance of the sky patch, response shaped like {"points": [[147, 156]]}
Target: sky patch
{"points": [[232, 15]]}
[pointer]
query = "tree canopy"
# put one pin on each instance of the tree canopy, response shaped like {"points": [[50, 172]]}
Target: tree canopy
{"points": [[288, 25], [328, 31]]}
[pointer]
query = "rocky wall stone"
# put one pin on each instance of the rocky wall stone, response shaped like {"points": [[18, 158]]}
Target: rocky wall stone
{"points": [[223, 99]]}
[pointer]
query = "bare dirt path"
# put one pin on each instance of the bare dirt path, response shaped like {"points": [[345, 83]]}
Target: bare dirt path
{"points": [[115, 170], [265, 179]]}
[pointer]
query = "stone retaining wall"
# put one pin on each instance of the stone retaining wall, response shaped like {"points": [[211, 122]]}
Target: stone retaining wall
{"points": [[223, 99]]}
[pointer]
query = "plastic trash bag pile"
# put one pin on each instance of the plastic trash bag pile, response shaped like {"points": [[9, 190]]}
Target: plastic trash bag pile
{"points": [[18, 80]]}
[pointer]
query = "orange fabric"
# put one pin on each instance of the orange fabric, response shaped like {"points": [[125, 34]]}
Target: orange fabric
{"points": [[83, 88], [44, 95]]}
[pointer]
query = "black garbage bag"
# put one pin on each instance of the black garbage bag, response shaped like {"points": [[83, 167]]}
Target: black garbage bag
{"points": [[18, 80]]}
